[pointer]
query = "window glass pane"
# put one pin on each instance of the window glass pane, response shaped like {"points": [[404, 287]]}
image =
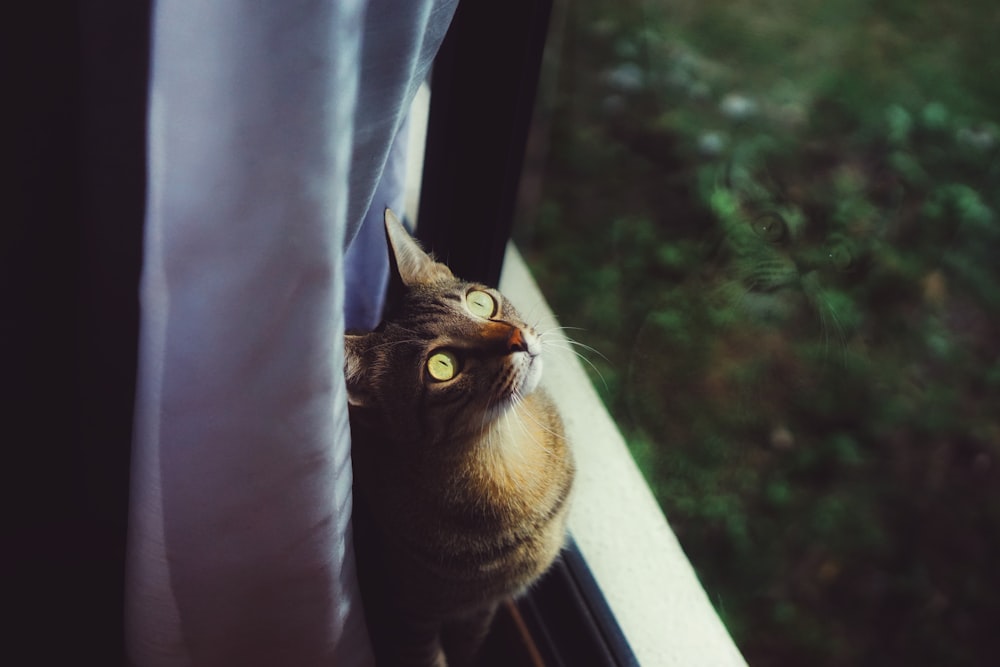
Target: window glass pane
{"points": [[777, 223]]}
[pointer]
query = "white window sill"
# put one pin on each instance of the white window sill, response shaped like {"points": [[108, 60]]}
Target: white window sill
{"points": [[633, 555]]}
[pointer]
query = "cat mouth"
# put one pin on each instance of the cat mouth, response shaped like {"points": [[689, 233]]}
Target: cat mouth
{"points": [[522, 380], [532, 344]]}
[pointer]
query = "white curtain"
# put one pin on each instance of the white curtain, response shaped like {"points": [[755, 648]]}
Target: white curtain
{"points": [[269, 129]]}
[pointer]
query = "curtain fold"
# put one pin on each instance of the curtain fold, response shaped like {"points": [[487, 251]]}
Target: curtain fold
{"points": [[269, 129]]}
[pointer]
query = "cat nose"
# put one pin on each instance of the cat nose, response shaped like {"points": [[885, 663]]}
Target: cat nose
{"points": [[505, 338], [515, 341]]}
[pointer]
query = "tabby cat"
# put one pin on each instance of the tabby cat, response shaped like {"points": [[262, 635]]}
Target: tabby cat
{"points": [[462, 471]]}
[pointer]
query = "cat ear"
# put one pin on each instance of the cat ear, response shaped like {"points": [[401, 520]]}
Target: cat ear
{"points": [[407, 259], [355, 353]]}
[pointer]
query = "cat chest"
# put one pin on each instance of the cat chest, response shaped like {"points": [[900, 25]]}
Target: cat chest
{"points": [[459, 565]]}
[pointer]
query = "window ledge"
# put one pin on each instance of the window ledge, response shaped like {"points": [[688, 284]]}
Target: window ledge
{"points": [[618, 526]]}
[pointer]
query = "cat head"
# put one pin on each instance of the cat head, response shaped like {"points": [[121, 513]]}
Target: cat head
{"points": [[783, 262], [449, 357]]}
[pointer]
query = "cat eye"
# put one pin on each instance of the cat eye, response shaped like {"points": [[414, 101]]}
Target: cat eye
{"points": [[442, 365], [841, 257], [770, 226], [481, 303]]}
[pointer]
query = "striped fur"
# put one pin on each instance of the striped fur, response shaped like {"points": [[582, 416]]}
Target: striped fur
{"points": [[461, 485]]}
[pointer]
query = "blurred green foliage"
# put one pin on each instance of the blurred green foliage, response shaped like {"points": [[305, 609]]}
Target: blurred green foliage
{"points": [[780, 223]]}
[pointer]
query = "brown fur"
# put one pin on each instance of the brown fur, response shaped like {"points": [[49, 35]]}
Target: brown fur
{"points": [[461, 485]]}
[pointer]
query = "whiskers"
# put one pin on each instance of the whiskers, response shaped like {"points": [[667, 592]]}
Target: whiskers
{"points": [[556, 338], [522, 414], [826, 310], [513, 432], [394, 343], [794, 308]]}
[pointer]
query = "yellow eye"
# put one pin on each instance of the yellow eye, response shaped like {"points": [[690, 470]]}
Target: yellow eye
{"points": [[442, 365], [481, 303]]}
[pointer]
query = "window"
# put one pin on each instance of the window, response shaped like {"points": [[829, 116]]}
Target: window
{"points": [[777, 222]]}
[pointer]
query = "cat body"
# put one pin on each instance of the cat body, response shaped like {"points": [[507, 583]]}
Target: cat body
{"points": [[462, 471]]}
